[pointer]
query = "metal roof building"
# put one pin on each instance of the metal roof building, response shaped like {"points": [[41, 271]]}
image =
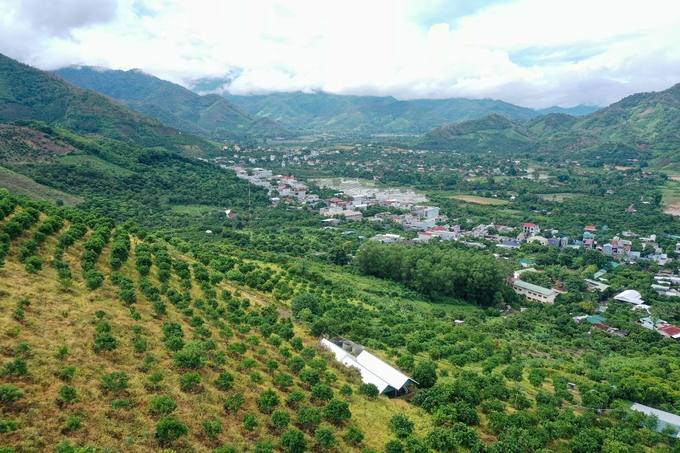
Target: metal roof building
{"points": [[666, 419], [373, 370]]}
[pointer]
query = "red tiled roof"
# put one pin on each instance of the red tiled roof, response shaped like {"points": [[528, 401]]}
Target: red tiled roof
{"points": [[530, 225], [599, 325], [671, 330]]}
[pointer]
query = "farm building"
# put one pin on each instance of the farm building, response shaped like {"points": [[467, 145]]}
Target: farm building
{"points": [[386, 378], [666, 419]]}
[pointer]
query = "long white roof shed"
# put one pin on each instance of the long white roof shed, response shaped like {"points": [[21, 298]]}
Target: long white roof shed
{"points": [[666, 419], [373, 370]]}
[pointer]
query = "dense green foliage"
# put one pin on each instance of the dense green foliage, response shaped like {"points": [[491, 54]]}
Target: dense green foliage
{"points": [[210, 116], [435, 271]]}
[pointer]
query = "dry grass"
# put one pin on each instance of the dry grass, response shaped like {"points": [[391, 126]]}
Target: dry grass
{"points": [[480, 200], [60, 315]]}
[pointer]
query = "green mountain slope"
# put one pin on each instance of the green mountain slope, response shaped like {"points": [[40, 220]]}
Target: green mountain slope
{"points": [[210, 116], [119, 179], [642, 128], [492, 133], [371, 114], [325, 112], [27, 93]]}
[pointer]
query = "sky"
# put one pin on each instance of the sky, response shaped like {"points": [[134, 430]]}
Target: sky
{"points": [[534, 53]]}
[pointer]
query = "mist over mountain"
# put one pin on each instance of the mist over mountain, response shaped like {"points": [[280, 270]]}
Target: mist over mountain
{"points": [[210, 116]]}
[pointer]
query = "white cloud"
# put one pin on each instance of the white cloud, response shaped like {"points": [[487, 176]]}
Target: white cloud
{"points": [[529, 52]]}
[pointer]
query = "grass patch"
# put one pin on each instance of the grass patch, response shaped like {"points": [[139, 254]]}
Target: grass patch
{"points": [[480, 200], [83, 160], [20, 184], [559, 197], [671, 196]]}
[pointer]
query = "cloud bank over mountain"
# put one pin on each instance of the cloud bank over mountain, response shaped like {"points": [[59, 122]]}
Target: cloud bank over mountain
{"points": [[527, 52]]}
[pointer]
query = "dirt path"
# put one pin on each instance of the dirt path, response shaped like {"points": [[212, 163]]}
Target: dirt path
{"points": [[282, 312], [673, 209]]}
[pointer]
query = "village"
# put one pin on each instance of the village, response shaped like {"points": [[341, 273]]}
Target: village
{"points": [[422, 223]]}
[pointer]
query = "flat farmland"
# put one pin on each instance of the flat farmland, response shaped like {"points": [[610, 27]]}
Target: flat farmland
{"points": [[480, 200]]}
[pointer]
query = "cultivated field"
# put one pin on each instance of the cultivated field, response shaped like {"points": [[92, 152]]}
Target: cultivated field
{"points": [[480, 200], [556, 196]]}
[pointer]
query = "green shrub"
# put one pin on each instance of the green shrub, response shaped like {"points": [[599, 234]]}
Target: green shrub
{"points": [[115, 382], [73, 423], [67, 374], [346, 390], [401, 426], [212, 427], [293, 441], [33, 265], [268, 400], [7, 426], [104, 342], [309, 417], [280, 419], [192, 356], [67, 394], [337, 411], [370, 390], [162, 405], [9, 394], [225, 381], [190, 382], [249, 422], [17, 367], [169, 429], [354, 436], [234, 402], [140, 345], [324, 438], [322, 392]]}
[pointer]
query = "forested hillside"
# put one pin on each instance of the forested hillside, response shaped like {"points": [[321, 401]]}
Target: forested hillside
{"points": [[30, 94], [639, 127], [120, 179], [210, 116]]}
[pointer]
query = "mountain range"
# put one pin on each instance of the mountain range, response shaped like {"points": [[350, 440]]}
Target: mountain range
{"points": [[276, 115], [209, 116], [375, 114], [27, 93], [640, 127]]}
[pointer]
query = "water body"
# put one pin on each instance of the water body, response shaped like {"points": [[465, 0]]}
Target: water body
{"points": [[357, 186]]}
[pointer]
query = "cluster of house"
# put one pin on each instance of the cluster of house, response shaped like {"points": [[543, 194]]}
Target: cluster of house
{"points": [[597, 322], [420, 217], [632, 297], [288, 188]]}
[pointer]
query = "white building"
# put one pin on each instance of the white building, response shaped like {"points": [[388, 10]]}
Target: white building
{"points": [[534, 292], [374, 371]]}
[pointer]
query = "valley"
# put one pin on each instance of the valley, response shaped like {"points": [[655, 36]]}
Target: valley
{"points": [[162, 291]]}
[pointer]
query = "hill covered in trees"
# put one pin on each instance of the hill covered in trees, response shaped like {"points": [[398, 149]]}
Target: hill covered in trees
{"points": [[209, 116], [120, 179], [639, 127], [325, 112], [27, 93]]}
